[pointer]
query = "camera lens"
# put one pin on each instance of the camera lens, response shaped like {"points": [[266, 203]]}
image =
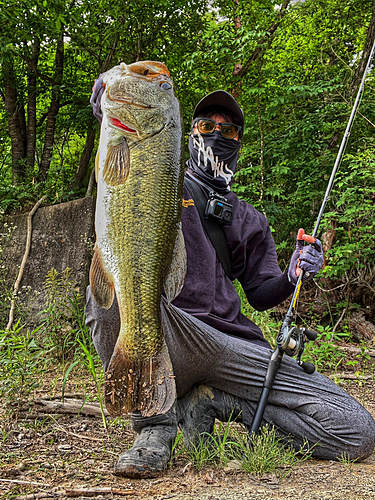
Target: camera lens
{"points": [[227, 216], [218, 209]]}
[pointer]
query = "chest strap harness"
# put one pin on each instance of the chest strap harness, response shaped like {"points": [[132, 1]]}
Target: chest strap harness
{"points": [[212, 228]]}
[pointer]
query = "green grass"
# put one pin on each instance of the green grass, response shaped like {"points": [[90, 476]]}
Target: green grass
{"points": [[229, 443]]}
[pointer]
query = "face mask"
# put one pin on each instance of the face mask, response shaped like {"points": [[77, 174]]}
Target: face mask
{"points": [[214, 159]]}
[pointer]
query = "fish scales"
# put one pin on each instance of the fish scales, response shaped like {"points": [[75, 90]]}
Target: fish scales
{"points": [[138, 229], [142, 269]]}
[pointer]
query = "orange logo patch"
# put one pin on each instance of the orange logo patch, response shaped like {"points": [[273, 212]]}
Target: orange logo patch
{"points": [[188, 203]]}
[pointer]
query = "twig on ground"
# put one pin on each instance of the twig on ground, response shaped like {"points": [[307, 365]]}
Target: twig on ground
{"points": [[92, 492], [350, 376], [338, 322], [73, 407], [90, 438], [44, 494], [17, 481]]}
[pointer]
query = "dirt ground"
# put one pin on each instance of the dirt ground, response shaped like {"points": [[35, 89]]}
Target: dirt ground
{"points": [[45, 454]]}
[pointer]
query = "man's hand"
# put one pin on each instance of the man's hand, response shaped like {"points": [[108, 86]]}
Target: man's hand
{"points": [[97, 92], [309, 258]]}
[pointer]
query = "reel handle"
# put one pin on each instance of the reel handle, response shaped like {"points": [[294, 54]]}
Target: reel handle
{"points": [[310, 334], [309, 368]]}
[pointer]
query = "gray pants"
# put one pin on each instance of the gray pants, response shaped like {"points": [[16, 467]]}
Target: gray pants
{"points": [[306, 407]]}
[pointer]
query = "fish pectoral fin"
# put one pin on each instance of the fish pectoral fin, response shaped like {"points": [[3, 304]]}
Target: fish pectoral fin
{"points": [[148, 386], [174, 280], [102, 286], [117, 164]]}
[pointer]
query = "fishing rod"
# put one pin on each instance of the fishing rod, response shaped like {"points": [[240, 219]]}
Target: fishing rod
{"points": [[291, 341]]}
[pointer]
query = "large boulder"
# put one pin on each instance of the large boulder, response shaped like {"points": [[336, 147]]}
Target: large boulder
{"points": [[62, 236]]}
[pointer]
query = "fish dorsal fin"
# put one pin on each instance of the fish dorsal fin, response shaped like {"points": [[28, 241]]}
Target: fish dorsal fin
{"points": [[102, 286], [117, 164], [174, 280]]}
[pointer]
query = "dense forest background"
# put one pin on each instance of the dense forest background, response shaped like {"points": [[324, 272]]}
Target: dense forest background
{"points": [[295, 67]]}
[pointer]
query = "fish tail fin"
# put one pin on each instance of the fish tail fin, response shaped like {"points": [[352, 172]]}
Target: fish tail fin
{"points": [[148, 386]]}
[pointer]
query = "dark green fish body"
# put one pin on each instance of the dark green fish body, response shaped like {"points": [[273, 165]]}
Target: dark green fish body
{"points": [[140, 180]]}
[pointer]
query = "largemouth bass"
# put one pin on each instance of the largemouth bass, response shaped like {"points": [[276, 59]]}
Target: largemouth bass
{"points": [[139, 248]]}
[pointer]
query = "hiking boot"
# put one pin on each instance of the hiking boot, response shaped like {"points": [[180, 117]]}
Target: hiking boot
{"points": [[198, 409], [151, 451]]}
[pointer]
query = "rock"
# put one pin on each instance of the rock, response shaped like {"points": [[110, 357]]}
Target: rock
{"points": [[232, 466], [62, 236], [360, 328], [64, 448]]}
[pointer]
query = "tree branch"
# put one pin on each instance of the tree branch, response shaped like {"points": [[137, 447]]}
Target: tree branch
{"points": [[267, 37], [24, 259], [355, 83], [109, 56]]}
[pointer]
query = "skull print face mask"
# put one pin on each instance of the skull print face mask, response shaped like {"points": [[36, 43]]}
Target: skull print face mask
{"points": [[213, 158]]}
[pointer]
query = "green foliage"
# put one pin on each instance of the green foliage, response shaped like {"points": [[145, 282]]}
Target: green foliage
{"points": [[65, 332], [323, 353], [347, 461], [90, 362], [96, 36], [63, 316], [21, 366], [352, 215], [18, 198], [296, 85]]}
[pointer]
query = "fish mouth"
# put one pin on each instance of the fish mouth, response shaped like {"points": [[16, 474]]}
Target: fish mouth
{"points": [[130, 100], [116, 123]]}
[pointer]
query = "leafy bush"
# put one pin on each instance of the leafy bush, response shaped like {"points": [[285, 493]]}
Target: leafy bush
{"points": [[21, 366], [322, 352], [353, 254], [63, 317]]}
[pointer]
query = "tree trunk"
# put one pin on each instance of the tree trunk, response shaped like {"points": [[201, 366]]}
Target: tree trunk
{"points": [[236, 91], [31, 105], [355, 83], [16, 122], [49, 138], [84, 161]]}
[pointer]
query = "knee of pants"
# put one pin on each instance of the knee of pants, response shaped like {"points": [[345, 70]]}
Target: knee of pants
{"points": [[363, 442]]}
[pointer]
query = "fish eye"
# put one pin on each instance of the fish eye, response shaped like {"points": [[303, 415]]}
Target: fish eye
{"points": [[165, 85]]}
